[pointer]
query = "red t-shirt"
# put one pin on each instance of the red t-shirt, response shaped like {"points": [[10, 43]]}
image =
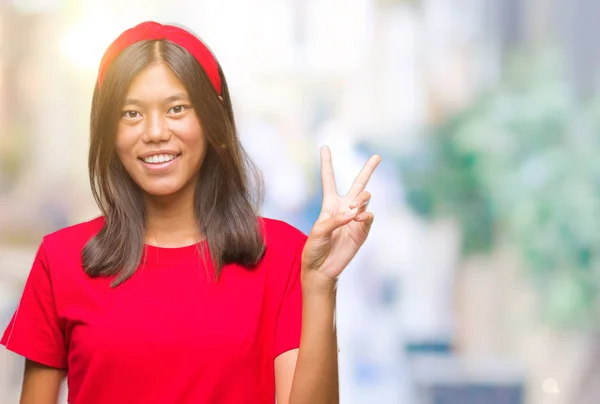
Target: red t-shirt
{"points": [[169, 334]]}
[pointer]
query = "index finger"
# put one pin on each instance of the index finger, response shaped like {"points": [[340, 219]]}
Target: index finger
{"points": [[327, 176], [362, 179]]}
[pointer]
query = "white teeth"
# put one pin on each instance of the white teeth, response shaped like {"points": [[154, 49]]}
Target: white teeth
{"points": [[159, 158]]}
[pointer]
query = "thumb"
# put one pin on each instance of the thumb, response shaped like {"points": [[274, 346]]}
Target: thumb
{"points": [[329, 225]]}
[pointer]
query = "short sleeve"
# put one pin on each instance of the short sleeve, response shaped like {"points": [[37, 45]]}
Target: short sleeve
{"points": [[34, 331], [289, 318]]}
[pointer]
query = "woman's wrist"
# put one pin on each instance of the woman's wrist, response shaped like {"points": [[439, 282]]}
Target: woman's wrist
{"points": [[315, 282]]}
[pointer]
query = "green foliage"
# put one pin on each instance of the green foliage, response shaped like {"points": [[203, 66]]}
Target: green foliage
{"points": [[522, 163]]}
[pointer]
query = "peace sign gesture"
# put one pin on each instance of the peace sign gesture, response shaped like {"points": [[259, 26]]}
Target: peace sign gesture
{"points": [[343, 224]]}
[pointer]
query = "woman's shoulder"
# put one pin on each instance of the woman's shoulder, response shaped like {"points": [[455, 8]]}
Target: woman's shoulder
{"points": [[73, 237], [283, 241], [277, 231]]}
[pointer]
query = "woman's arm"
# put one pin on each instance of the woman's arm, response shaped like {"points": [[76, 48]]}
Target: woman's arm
{"points": [[316, 375], [340, 230], [41, 383], [310, 374]]}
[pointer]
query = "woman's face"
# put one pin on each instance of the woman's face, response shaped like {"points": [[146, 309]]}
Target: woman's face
{"points": [[159, 138]]}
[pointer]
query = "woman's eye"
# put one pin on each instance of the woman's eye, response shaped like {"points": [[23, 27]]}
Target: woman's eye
{"points": [[177, 109], [130, 114]]}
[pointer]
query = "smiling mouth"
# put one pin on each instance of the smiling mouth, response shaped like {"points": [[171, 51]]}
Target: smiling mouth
{"points": [[159, 158]]}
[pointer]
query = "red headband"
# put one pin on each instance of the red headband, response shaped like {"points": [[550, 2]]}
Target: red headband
{"points": [[151, 30]]}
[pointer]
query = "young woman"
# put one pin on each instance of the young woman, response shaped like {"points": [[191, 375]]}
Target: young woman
{"points": [[180, 292]]}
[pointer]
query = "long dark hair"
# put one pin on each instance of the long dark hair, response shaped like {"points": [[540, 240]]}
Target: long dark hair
{"points": [[229, 191]]}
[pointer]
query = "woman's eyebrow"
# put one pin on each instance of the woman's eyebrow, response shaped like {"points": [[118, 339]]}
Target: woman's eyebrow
{"points": [[172, 98]]}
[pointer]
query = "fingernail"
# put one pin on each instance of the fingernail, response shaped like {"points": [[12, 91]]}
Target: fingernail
{"points": [[354, 205], [351, 213]]}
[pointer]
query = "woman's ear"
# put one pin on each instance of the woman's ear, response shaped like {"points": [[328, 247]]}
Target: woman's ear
{"points": [[221, 98]]}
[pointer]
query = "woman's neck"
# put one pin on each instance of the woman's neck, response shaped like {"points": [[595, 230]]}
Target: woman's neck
{"points": [[171, 222]]}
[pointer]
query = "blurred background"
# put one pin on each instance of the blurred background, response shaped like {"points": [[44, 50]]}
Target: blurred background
{"points": [[480, 280]]}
